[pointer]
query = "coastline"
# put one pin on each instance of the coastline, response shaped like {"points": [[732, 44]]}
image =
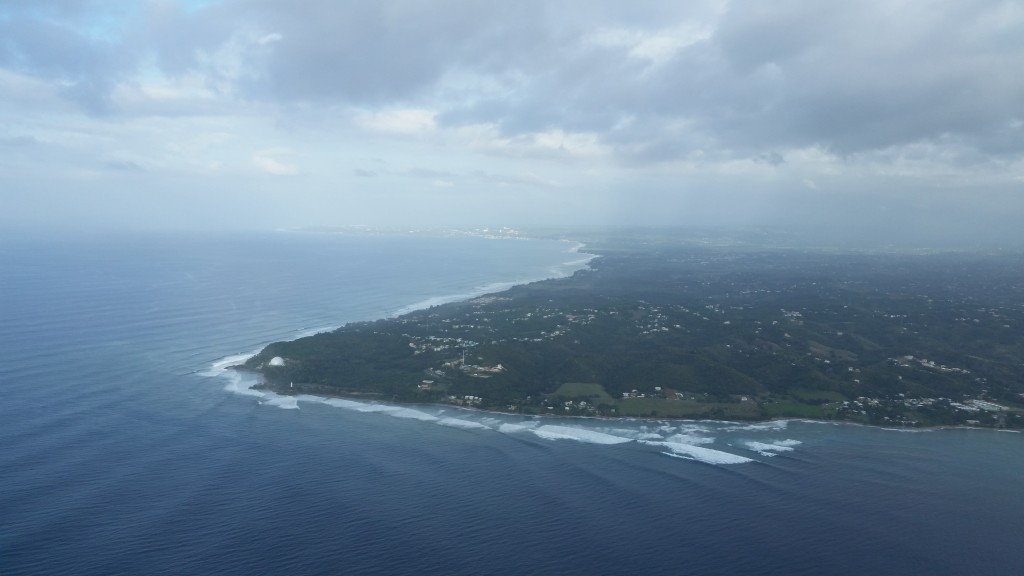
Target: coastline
{"points": [[709, 410], [306, 396], [562, 270], [234, 363]]}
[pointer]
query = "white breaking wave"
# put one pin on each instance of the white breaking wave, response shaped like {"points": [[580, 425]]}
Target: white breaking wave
{"points": [[306, 332], [552, 432], [219, 367], [685, 444], [510, 428], [690, 439], [773, 425], [699, 453], [284, 402], [238, 384], [397, 412], [557, 271], [493, 288], [641, 433], [772, 448], [336, 402], [434, 301], [464, 424], [680, 440]]}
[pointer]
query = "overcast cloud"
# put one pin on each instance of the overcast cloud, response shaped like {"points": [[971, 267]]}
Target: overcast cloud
{"points": [[872, 116]]}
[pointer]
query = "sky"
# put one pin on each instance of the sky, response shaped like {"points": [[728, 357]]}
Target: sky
{"points": [[890, 118]]}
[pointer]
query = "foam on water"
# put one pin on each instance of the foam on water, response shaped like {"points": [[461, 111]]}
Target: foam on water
{"points": [[492, 288], [554, 432], [464, 424], [558, 271], [691, 439], [304, 332], [686, 441], [397, 412], [510, 428], [239, 384], [772, 448], [284, 402], [773, 425], [335, 402], [219, 367], [700, 453]]}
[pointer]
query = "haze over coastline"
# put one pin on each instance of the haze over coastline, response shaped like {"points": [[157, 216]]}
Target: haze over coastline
{"points": [[898, 124]]}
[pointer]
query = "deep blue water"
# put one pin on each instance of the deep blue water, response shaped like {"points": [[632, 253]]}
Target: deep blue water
{"points": [[126, 448]]}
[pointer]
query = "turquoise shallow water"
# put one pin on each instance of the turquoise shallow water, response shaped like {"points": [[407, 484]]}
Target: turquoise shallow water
{"points": [[126, 448]]}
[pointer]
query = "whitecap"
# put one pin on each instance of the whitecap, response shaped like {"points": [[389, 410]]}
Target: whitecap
{"points": [[283, 402], [220, 366], [307, 332], [693, 429], [464, 424], [773, 425], [558, 271], [690, 439], [397, 412], [237, 384], [632, 433], [701, 454], [341, 403], [509, 428], [551, 432], [772, 448]]}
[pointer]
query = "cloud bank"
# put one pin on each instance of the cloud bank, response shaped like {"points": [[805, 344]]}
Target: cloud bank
{"points": [[716, 111]]}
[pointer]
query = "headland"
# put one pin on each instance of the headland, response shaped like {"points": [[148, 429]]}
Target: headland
{"points": [[668, 328]]}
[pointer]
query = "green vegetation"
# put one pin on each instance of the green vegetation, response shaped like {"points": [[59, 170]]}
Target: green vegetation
{"points": [[665, 329]]}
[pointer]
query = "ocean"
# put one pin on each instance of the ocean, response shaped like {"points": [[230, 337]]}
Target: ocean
{"points": [[128, 447]]}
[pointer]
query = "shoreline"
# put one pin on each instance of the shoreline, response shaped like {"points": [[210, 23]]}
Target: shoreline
{"points": [[298, 396], [262, 388], [559, 271], [232, 361], [235, 361]]}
